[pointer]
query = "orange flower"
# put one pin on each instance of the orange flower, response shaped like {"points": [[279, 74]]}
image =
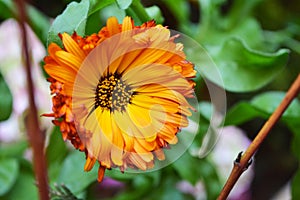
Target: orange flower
{"points": [[120, 95]]}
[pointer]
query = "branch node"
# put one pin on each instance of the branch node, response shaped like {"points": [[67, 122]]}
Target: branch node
{"points": [[238, 158], [237, 162], [248, 164]]}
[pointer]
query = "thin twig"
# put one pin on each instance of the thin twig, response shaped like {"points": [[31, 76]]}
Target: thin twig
{"points": [[36, 136], [242, 163]]}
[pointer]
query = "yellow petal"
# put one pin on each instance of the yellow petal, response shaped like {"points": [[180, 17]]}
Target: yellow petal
{"points": [[159, 154], [69, 60], [91, 69], [117, 50], [168, 133], [153, 36], [139, 116], [175, 118], [118, 145], [127, 24], [128, 142], [147, 56], [141, 145], [72, 47], [123, 121], [128, 58], [156, 74], [137, 161], [171, 100], [158, 35], [112, 25], [146, 126], [105, 122], [145, 154], [123, 124], [163, 93], [100, 140], [157, 104]]}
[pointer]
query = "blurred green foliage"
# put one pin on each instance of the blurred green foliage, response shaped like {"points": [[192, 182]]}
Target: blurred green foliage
{"points": [[6, 100], [251, 60]]}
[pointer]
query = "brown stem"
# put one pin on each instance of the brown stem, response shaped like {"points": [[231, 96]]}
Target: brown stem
{"points": [[35, 135], [239, 167]]}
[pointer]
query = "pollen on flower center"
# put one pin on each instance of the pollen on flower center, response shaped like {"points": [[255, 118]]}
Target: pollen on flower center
{"points": [[112, 93]]}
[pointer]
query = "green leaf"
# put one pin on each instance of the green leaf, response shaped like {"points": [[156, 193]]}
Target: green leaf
{"points": [[236, 43], [243, 69], [152, 185], [56, 150], [142, 183], [207, 134], [25, 185], [6, 100], [100, 11], [39, 23], [72, 174], [167, 190], [194, 169], [269, 101], [241, 113], [72, 19], [123, 4], [15, 149], [97, 5], [262, 106], [155, 13], [6, 9], [206, 110], [295, 128], [62, 192], [189, 168], [295, 186], [9, 170], [282, 38], [205, 144], [216, 28], [55, 153], [118, 175], [138, 185], [75, 17], [240, 11]]}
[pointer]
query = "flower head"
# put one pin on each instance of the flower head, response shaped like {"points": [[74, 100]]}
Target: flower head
{"points": [[120, 95]]}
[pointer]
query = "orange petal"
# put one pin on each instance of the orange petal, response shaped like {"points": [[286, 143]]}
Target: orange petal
{"points": [[89, 163], [62, 74], [52, 48], [101, 172]]}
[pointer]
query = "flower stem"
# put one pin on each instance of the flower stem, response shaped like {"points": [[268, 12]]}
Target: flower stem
{"points": [[240, 166], [35, 135]]}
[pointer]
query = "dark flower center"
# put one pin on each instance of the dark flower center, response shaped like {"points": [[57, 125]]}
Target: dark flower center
{"points": [[112, 93]]}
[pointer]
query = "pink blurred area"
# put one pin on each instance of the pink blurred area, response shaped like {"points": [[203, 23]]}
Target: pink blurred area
{"points": [[12, 68], [232, 140]]}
